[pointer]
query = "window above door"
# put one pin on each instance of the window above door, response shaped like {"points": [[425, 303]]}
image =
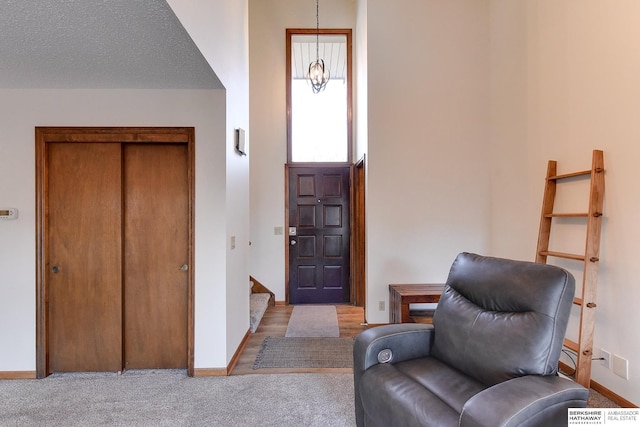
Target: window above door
{"points": [[319, 124]]}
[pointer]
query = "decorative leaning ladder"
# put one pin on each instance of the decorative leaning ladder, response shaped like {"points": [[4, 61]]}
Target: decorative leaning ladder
{"points": [[584, 346]]}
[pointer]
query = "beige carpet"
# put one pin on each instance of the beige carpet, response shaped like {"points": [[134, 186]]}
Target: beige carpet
{"points": [[258, 304], [313, 321], [171, 399], [596, 400]]}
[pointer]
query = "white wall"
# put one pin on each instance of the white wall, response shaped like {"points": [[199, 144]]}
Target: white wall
{"points": [[20, 112], [423, 79], [220, 30], [565, 82], [361, 112], [268, 20], [466, 102], [428, 139]]}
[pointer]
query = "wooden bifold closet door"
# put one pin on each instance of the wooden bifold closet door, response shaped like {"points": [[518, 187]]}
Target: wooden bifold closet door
{"points": [[117, 238]]}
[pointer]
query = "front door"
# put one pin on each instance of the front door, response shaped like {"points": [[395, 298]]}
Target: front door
{"points": [[319, 265]]}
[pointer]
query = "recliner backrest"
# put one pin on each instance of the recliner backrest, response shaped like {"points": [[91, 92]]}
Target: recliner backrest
{"points": [[499, 319]]}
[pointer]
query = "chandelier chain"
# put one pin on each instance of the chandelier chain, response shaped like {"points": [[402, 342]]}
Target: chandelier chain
{"points": [[317, 30], [318, 75]]}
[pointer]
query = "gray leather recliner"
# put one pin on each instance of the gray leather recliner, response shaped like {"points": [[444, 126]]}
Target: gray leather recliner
{"points": [[489, 359]]}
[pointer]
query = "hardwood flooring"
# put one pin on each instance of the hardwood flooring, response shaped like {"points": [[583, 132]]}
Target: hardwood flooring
{"points": [[274, 323], [350, 321]]}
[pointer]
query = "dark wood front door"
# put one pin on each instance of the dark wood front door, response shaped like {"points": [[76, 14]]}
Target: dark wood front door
{"points": [[319, 247]]}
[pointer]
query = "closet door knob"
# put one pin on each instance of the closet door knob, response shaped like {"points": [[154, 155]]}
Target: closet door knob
{"points": [[184, 267], [55, 269]]}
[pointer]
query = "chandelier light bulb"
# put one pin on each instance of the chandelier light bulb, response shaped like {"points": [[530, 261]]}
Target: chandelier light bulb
{"points": [[318, 76]]}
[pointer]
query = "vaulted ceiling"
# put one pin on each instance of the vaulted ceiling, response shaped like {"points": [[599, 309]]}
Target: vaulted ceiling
{"points": [[98, 44]]}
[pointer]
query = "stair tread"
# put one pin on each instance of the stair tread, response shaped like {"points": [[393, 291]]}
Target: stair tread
{"points": [[258, 305]]}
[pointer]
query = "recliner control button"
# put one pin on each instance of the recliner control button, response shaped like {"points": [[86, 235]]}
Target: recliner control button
{"points": [[385, 356]]}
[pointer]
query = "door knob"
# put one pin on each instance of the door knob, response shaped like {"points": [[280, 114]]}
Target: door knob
{"points": [[184, 267], [293, 242], [55, 269]]}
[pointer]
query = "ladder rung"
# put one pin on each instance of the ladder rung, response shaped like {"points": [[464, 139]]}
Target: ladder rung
{"points": [[571, 345], [566, 215], [562, 255], [577, 301], [570, 175]]}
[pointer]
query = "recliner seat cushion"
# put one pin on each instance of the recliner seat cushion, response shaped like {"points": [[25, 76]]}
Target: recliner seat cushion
{"points": [[420, 392], [451, 386], [390, 398]]}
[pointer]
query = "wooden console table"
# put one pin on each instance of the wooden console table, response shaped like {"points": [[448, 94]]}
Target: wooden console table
{"points": [[400, 296]]}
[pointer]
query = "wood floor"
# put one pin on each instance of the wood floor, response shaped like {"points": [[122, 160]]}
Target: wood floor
{"points": [[274, 324], [350, 320]]}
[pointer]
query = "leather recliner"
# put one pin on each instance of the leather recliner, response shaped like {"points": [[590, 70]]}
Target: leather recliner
{"points": [[490, 358]]}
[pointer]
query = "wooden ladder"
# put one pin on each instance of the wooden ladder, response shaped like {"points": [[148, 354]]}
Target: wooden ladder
{"points": [[584, 347]]}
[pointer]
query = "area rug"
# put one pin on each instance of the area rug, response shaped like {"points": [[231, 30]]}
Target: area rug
{"points": [[313, 321], [304, 352]]}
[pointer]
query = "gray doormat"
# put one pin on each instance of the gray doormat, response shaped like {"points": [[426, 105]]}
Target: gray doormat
{"points": [[313, 321], [302, 352]]}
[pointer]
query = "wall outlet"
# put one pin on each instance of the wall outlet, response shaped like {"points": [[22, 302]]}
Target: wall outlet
{"points": [[621, 366], [605, 357], [381, 305]]}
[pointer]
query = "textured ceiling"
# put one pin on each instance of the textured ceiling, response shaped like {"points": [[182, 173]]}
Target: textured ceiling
{"points": [[98, 44]]}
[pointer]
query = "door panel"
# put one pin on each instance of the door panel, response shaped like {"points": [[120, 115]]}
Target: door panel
{"points": [[84, 241], [319, 252], [156, 222]]}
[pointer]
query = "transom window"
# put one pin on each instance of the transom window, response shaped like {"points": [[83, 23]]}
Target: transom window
{"points": [[319, 124]]}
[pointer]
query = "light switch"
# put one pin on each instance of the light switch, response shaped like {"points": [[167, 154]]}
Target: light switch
{"points": [[233, 242]]}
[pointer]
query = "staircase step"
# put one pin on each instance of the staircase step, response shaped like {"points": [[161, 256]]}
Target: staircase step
{"points": [[258, 305]]}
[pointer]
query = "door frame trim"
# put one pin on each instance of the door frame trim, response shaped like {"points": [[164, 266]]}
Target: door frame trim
{"points": [[358, 234], [138, 135], [348, 33]]}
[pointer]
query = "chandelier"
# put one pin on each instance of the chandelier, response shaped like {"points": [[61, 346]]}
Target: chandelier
{"points": [[318, 75]]}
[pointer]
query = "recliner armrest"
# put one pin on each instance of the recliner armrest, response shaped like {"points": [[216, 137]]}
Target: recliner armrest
{"points": [[406, 341], [534, 400]]}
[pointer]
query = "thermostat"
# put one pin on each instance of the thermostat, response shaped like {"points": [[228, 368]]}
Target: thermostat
{"points": [[10, 213]]}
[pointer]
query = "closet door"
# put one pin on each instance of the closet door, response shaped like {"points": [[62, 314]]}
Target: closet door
{"points": [[83, 270], [155, 255]]}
